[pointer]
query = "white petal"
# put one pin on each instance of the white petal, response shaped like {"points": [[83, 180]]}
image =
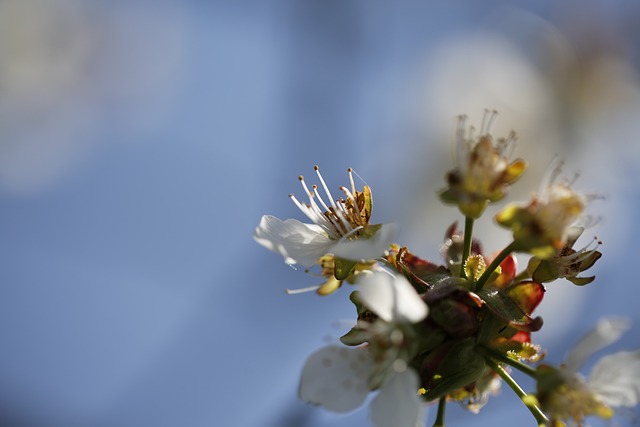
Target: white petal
{"points": [[398, 403], [392, 297], [616, 379], [297, 242], [607, 331], [366, 249], [336, 378]]}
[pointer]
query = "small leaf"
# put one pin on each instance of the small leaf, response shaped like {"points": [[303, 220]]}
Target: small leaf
{"points": [[422, 273], [544, 270], [588, 263], [581, 281], [461, 366], [354, 337], [507, 309], [343, 267]]}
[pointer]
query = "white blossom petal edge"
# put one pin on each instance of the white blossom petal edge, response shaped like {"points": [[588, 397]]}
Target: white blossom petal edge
{"points": [[398, 403], [336, 378], [607, 331], [392, 298], [297, 242], [301, 243], [616, 379]]}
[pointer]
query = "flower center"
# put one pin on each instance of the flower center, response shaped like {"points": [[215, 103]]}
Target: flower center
{"points": [[339, 218]]}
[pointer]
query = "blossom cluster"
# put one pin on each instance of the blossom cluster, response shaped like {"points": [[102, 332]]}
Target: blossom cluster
{"points": [[453, 331]]}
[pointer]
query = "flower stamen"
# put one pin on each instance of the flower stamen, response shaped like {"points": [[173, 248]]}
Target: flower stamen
{"points": [[354, 203], [324, 185], [487, 121], [353, 184]]}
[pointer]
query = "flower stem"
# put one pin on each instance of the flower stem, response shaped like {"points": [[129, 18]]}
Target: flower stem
{"points": [[442, 403], [466, 251], [494, 264], [540, 417], [488, 351]]}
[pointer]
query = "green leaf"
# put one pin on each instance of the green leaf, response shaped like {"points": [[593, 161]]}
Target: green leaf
{"points": [[420, 272], [461, 366], [581, 281], [354, 337], [545, 271], [507, 309], [343, 267]]}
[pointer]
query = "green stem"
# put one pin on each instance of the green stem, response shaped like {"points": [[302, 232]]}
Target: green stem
{"points": [[526, 369], [540, 417], [466, 251], [494, 264], [442, 403]]}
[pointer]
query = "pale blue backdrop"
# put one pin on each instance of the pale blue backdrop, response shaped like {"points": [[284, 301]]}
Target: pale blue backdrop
{"points": [[141, 141]]}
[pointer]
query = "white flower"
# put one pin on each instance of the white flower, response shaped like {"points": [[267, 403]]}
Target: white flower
{"points": [[392, 298], [613, 382], [340, 378], [340, 228], [615, 378], [606, 332], [550, 219]]}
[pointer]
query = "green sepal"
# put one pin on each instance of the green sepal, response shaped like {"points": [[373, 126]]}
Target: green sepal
{"points": [[421, 273], [354, 297], [527, 235], [448, 196], [343, 267], [356, 335], [507, 309], [369, 231], [581, 281], [549, 378], [493, 328], [460, 366], [543, 271]]}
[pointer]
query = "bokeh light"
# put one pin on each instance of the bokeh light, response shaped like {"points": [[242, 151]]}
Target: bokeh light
{"points": [[141, 141]]}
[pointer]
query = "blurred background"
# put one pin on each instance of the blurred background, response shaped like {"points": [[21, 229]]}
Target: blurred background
{"points": [[142, 140]]}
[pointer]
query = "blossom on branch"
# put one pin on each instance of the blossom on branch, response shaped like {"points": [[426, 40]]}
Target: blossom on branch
{"points": [[548, 221], [453, 332], [614, 380], [484, 171], [339, 228], [340, 378]]}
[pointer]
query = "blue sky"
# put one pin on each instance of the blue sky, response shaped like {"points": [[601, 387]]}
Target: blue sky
{"points": [[142, 141]]}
